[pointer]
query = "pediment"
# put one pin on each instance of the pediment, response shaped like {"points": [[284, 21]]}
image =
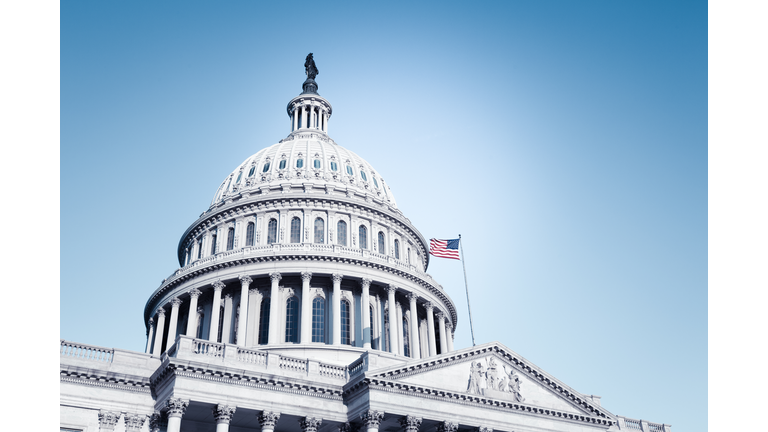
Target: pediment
{"points": [[492, 371]]}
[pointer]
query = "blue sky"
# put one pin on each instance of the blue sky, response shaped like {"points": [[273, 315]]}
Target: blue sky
{"points": [[565, 141]]}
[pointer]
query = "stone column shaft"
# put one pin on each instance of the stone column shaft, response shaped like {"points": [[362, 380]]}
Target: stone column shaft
{"points": [[223, 415], [242, 323], [268, 420], [150, 334], [449, 338], [192, 319], [226, 325], [274, 308], [213, 331], [175, 303], [393, 345], [159, 332], [337, 308], [443, 339], [431, 329], [414, 322], [366, 313], [306, 309], [176, 409]]}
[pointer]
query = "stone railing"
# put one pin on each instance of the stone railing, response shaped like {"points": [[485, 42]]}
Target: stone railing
{"points": [[628, 424], [252, 356], [333, 371], [294, 364], [356, 367], [86, 352], [207, 348]]}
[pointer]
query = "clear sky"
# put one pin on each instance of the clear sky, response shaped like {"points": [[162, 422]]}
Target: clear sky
{"points": [[565, 141]]}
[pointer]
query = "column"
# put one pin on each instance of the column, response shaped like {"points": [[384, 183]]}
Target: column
{"points": [[175, 303], [295, 119], [150, 334], [156, 422], [134, 422], [274, 308], [449, 337], [108, 420], [366, 313], [431, 329], [400, 330], [223, 415], [309, 424], [410, 423], [268, 419], [159, 333], [194, 293], [326, 122], [371, 420], [242, 323], [393, 345], [447, 426], [443, 339], [337, 308], [226, 327], [306, 309], [255, 298], [303, 117], [213, 331], [176, 408], [414, 323]]}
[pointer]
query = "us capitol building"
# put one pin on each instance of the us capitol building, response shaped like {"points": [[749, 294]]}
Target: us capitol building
{"points": [[302, 304]]}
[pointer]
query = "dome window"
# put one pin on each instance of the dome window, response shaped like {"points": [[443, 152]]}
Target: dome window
{"points": [[375, 183], [317, 164], [341, 233], [362, 174], [250, 173], [239, 176], [266, 167], [349, 170], [282, 164], [292, 320], [397, 249], [272, 231], [334, 167], [299, 163], [363, 232], [295, 230]]}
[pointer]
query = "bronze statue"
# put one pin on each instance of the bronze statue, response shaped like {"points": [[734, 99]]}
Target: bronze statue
{"points": [[310, 68]]}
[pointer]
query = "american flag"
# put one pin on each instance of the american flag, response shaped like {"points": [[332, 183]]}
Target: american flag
{"points": [[444, 248]]}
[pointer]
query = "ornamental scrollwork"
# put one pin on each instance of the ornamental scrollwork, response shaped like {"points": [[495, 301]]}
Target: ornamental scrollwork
{"points": [[306, 276], [337, 277], [134, 422], [194, 293]]}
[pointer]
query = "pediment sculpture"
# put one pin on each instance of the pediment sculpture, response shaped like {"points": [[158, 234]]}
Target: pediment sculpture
{"points": [[494, 380]]}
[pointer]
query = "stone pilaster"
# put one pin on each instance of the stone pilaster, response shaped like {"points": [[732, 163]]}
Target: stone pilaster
{"points": [[410, 423], [414, 323], [226, 325], [150, 333], [443, 338], [175, 303], [268, 420], [371, 420], [156, 351], [108, 420], [157, 422], [431, 328], [213, 331]]}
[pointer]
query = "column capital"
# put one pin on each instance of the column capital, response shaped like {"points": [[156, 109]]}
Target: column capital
{"points": [[410, 423], [365, 283], [428, 306], [310, 424], [160, 312], [108, 420], [151, 322], [245, 279], [156, 421], [275, 276], [372, 418], [268, 419], [134, 422], [447, 426], [194, 293], [440, 315], [306, 276], [223, 413], [175, 302], [347, 427], [337, 277], [200, 309], [176, 407], [412, 296], [391, 288], [218, 285], [228, 296], [484, 429]]}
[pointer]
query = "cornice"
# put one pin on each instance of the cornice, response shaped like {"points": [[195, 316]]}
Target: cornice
{"points": [[237, 259], [136, 384]]}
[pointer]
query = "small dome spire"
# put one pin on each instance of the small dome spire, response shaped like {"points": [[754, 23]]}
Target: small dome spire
{"points": [[309, 112]]}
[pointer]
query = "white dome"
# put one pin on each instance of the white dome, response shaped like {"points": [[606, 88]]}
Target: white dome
{"points": [[301, 158]]}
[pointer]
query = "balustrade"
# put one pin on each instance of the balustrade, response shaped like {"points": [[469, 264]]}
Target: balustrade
{"points": [[356, 367], [299, 365], [251, 356], [633, 424], [332, 371], [208, 348], [86, 352]]}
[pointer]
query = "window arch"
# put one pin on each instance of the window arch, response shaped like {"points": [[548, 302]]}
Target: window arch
{"points": [[363, 237], [341, 233], [397, 249], [318, 319], [272, 231], [292, 320], [345, 309], [319, 230], [264, 321], [249, 234], [406, 339], [295, 230], [230, 239], [382, 244]]}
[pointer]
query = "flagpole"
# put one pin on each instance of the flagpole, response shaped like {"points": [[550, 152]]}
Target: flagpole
{"points": [[471, 328]]}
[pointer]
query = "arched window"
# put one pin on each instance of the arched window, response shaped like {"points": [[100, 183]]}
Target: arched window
{"points": [[363, 237], [382, 244], [319, 230], [266, 167], [231, 239], [334, 167], [349, 170], [362, 174], [345, 340], [213, 243], [282, 164], [317, 164], [318, 319], [300, 163], [397, 249], [341, 233], [272, 231], [406, 339], [292, 320], [295, 230], [249, 234], [239, 176], [264, 321]]}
